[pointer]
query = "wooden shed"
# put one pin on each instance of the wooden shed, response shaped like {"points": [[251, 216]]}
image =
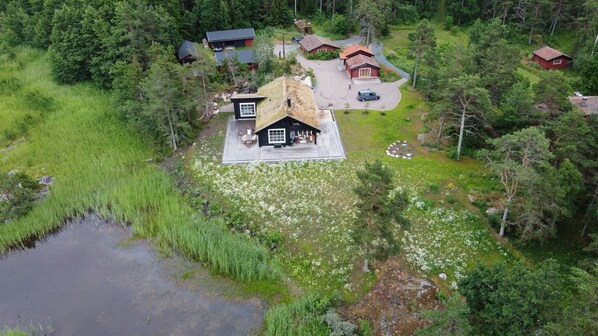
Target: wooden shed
{"points": [[549, 58], [314, 43], [304, 27]]}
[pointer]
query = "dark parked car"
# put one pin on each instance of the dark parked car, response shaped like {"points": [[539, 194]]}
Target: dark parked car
{"points": [[367, 95], [297, 38]]}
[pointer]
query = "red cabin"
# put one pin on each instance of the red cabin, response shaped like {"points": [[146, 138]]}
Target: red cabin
{"points": [[549, 58], [362, 66], [314, 43]]}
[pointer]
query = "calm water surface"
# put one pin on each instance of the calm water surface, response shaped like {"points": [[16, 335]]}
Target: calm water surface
{"points": [[89, 279]]}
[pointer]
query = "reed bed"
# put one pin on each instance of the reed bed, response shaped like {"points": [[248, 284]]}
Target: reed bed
{"points": [[100, 166], [301, 317]]}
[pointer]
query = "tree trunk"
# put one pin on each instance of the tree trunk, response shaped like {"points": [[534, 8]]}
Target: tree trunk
{"points": [[588, 210], [333, 8], [531, 32], [555, 20], [295, 8], [365, 266], [440, 131], [320, 7], [367, 40], [232, 72], [172, 136], [504, 15], [503, 222], [415, 71], [461, 130]]}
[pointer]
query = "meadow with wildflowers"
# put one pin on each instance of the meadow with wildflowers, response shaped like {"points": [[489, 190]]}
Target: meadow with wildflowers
{"points": [[312, 203]]}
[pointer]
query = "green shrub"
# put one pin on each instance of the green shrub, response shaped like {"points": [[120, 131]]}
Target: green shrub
{"points": [[17, 195], [480, 204], [36, 100], [9, 85], [271, 239], [451, 199], [340, 25], [365, 328], [449, 22], [338, 326], [433, 187], [323, 55]]}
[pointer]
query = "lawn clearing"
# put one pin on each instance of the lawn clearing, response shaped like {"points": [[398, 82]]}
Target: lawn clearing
{"points": [[396, 44], [312, 203]]}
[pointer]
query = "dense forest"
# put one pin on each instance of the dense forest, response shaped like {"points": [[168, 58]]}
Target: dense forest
{"points": [[540, 151]]}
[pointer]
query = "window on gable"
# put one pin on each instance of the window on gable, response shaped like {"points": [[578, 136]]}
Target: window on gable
{"points": [[276, 135], [247, 109]]}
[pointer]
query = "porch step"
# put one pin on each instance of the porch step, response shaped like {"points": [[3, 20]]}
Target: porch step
{"points": [[368, 81]]}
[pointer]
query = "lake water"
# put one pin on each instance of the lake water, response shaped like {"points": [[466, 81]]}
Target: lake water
{"points": [[91, 279]]}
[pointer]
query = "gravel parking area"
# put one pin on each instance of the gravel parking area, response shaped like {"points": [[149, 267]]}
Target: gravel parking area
{"points": [[333, 88]]}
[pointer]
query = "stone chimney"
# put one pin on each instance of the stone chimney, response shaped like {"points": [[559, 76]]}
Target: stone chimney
{"points": [[289, 101], [584, 102]]}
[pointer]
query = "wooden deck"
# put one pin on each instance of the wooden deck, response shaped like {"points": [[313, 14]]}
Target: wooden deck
{"points": [[329, 147]]}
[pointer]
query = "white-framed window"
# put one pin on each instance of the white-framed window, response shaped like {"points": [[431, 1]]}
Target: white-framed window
{"points": [[557, 61], [277, 135], [365, 72], [247, 109]]}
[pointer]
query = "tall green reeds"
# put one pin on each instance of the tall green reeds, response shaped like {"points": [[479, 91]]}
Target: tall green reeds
{"points": [[100, 166], [302, 317]]}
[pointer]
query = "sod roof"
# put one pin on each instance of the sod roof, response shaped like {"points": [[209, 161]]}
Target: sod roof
{"points": [[275, 107]]}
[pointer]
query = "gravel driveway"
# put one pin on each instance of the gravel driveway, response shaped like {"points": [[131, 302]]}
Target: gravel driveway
{"points": [[332, 88]]}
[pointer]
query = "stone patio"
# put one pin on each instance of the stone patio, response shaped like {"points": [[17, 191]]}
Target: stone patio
{"points": [[329, 147]]}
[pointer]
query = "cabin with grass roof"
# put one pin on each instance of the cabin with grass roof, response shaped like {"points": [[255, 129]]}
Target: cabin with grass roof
{"points": [[284, 110]]}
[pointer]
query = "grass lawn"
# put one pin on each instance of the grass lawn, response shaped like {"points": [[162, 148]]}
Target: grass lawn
{"points": [[531, 76], [312, 203], [396, 45], [100, 166]]}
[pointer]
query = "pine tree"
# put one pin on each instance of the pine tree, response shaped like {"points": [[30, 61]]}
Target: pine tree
{"points": [[379, 207]]}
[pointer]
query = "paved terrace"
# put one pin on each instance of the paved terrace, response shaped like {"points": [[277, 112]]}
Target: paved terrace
{"points": [[329, 145]]}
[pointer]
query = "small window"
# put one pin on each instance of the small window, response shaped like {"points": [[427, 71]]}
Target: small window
{"points": [[247, 109], [557, 62], [276, 135]]}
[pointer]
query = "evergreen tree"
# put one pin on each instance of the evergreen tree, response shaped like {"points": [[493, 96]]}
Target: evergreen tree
{"points": [[379, 207], [511, 300], [422, 44], [69, 53], [463, 99], [517, 158], [169, 110]]}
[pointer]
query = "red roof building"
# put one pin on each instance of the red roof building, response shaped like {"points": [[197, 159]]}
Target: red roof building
{"points": [[355, 49], [314, 43], [362, 66], [549, 58]]}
